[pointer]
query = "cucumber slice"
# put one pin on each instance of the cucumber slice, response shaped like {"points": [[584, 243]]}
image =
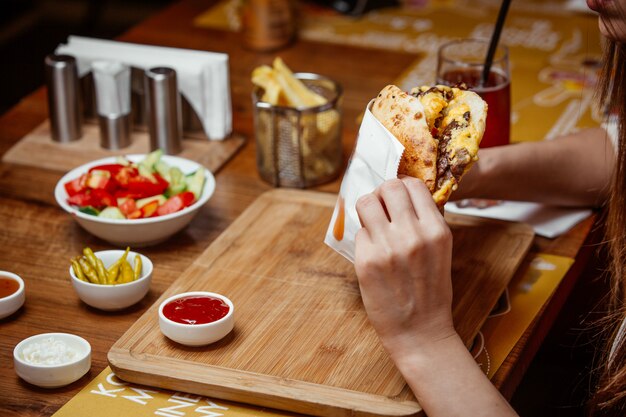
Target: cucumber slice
{"points": [[111, 213], [195, 182], [89, 210], [144, 171], [164, 170], [178, 183], [152, 159]]}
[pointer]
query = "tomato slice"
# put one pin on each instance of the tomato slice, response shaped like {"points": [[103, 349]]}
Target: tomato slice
{"points": [[125, 174], [128, 207], [176, 203], [141, 187], [134, 215], [102, 198], [82, 199], [113, 169], [76, 186], [101, 180]]}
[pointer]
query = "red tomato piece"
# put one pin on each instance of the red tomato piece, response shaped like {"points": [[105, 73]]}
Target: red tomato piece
{"points": [[128, 206], [141, 187], [176, 203], [101, 180], [125, 174], [76, 186], [83, 199], [134, 215], [102, 198], [113, 169]]}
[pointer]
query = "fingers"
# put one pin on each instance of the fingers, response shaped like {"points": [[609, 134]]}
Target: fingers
{"points": [[422, 200], [396, 199], [371, 213]]}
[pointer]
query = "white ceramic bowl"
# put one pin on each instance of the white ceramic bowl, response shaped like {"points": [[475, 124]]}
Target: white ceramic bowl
{"points": [[197, 334], [11, 303], [136, 232], [53, 376], [117, 296]]}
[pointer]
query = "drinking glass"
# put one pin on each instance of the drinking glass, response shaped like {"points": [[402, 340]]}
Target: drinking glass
{"points": [[462, 61]]}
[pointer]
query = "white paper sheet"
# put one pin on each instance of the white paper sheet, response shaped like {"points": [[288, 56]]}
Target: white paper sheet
{"points": [[547, 221]]}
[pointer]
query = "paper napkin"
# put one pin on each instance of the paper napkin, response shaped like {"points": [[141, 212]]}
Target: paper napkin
{"points": [[546, 220]]}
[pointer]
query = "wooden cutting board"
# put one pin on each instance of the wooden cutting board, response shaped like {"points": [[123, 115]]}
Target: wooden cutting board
{"points": [[302, 341]]}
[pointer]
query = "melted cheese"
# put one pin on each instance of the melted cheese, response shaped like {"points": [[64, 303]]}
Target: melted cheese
{"points": [[461, 138], [433, 104]]}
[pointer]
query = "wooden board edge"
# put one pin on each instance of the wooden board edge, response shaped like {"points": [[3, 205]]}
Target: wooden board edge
{"points": [[263, 390], [319, 198]]}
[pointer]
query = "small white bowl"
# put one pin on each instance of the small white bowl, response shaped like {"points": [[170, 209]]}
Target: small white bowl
{"points": [[11, 303], [197, 334], [136, 232], [53, 376], [116, 296]]}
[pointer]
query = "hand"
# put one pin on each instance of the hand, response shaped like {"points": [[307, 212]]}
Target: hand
{"points": [[403, 263]]}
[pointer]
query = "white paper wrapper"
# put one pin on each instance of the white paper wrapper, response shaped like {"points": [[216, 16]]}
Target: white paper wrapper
{"points": [[375, 159]]}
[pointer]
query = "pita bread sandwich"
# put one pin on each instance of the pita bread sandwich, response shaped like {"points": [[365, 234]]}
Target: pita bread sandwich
{"points": [[440, 128]]}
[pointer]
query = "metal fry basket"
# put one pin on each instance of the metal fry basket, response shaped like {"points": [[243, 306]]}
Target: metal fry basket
{"points": [[299, 147]]}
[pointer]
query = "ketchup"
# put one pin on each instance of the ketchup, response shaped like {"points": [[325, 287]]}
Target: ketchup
{"points": [[195, 309]]}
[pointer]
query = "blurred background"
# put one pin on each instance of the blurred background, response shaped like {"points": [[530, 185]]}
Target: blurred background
{"points": [[31, 29]]}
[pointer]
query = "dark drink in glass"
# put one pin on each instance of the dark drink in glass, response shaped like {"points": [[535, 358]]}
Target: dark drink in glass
{"points": [[496, 92], [462, 61]]}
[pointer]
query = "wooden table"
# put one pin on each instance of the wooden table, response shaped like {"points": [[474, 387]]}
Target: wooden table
{"points": [[38, 238]]}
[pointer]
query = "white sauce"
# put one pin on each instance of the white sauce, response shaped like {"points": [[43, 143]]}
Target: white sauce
{"points": [[48, 352]]}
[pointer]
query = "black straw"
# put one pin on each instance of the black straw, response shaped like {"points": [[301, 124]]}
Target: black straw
{"points": [[495, 38]]}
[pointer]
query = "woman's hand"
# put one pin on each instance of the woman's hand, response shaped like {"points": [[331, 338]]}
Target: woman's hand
{"points": [[403, 263]]}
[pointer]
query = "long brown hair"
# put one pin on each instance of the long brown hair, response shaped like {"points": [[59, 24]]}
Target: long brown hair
{"points": [[610, 396]]}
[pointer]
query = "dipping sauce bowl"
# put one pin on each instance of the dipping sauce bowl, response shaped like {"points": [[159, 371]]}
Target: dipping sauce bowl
{"points": [[74, 355], [12, 295], [196, 318]]}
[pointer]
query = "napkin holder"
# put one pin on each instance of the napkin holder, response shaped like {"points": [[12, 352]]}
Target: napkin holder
{"points": [[203, 81]]}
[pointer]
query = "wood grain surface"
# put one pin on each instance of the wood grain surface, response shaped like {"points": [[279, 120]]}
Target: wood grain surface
{"points": [[302, 340], [37, 238]]}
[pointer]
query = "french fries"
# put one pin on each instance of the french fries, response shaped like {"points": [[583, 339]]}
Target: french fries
{"points": [[281, 87], [317, 135]]}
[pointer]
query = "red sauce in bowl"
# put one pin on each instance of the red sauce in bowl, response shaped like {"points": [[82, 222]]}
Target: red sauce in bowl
{"points": [[8, 287], [195, 309]]}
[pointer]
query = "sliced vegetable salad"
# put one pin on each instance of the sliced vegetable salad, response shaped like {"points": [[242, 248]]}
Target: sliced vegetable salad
{"points": [[127, 190]]}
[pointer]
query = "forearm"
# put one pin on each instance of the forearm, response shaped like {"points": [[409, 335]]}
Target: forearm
{"points": [[447, 382], [573, 170]]}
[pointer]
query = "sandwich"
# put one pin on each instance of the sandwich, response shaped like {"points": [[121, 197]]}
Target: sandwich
{"points": [[440, 128]]}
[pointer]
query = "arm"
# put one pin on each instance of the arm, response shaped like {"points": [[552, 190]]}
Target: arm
{"points": [[573, 170], [403, 263]]}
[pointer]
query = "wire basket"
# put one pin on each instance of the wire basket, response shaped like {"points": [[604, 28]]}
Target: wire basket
{"points": [[299, 147]]}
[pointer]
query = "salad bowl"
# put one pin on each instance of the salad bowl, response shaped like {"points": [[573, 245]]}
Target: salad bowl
{"points": [[135, 232]]}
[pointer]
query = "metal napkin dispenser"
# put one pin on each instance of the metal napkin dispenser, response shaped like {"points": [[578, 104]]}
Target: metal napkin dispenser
{"points": [[203, 80]]}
